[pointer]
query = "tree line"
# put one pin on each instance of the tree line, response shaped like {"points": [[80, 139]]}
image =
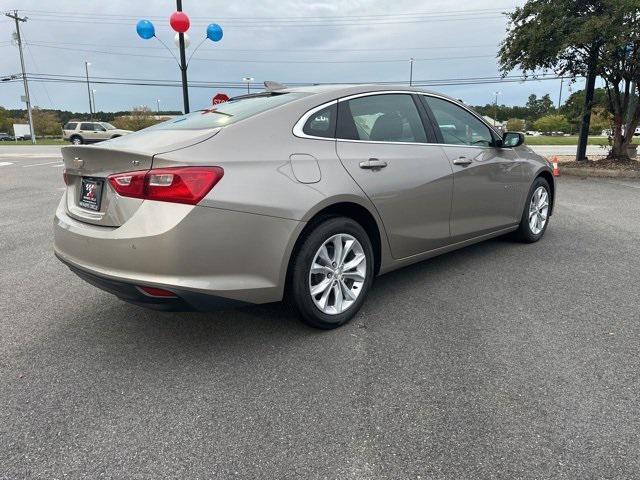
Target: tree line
{"points": [[541, 114], [48, 122]]}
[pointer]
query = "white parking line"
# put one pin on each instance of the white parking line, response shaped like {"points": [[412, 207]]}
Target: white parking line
{"points": [[5, 164], [40, 164], [59, 165]]}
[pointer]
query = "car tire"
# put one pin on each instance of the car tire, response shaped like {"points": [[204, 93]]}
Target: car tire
{"points": [[535, 216], [337, 281], [76, 140]]}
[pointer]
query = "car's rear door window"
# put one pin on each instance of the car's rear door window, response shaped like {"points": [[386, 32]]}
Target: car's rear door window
{"points": [[381, 118], [87, 127]]}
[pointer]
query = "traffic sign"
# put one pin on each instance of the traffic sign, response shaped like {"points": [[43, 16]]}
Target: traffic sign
{"points": [[219, 98]]}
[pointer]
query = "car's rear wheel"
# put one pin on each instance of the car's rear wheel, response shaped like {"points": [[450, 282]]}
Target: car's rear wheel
{"points": [[332, 272], [76, 140], [535, 216]]}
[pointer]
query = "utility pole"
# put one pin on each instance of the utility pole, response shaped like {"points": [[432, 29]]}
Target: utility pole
{"points": [[183, 65], [411, 71], [560, 96], [86, 70], [24, 74], [93, 96], [158, 104], [495, 110]]}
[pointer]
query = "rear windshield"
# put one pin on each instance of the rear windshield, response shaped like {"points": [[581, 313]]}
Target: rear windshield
{"points": [[228, 112]]}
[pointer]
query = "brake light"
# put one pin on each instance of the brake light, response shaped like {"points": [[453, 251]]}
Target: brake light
{"points": [[176, 184], [65, 176]]}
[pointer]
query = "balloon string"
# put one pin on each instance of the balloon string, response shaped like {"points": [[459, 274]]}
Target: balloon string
{"points": [[195, 49], [170, 51]]}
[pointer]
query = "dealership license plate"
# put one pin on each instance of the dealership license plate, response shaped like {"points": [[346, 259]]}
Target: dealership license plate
{"points": [[91, 194]]}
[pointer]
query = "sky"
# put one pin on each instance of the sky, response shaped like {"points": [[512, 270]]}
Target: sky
{"points": [[289, 41]]}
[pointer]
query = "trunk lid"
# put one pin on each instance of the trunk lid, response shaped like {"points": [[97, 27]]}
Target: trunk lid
{"points": [[89, 196]]}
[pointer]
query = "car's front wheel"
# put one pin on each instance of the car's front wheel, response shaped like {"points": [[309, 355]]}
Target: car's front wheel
{"points": [[535, 216], [332, 272]]}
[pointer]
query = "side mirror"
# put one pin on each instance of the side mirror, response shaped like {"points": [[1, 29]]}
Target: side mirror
{"points": [[512, 139]]}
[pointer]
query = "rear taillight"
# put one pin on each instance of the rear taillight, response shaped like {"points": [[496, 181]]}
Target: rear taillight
{"points": [[176, 184], [65, 176]]}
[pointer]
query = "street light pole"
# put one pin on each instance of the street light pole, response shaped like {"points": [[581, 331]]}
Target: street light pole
{"points": [[183, 65], [86, 71], [158, 104], [495, 110], [248, 81], [93, 96], [411, 71], [24, 74]]}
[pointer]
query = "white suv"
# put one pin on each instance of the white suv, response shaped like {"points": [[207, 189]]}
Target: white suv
{"points": [[90, 132]]}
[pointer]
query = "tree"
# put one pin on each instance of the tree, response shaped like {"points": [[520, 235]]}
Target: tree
{"points": [[560, 35], [515, 125], [552, 123], [583, 38], [601, 120], [46, 122], [539, 107], [619, 66], [574, 105], [140, 117]]}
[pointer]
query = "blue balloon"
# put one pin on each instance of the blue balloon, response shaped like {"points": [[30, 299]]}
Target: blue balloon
{"points": [[214, 32], [145, 29]]}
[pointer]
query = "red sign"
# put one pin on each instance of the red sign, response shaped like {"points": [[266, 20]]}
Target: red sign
{"points": [[219, 98]]}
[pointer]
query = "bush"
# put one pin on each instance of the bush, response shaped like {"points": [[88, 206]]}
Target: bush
{"points": [[515, 125], [552, 123], [141, 117]]}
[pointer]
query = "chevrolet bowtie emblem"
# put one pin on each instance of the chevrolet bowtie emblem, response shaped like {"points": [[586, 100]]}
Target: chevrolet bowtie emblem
{"points": [[78, 162]]}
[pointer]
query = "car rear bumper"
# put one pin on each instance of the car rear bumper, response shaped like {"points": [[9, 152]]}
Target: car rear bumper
{"points": [[184, 300], [209, 257]]}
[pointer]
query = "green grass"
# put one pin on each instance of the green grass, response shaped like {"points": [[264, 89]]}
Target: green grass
{"points": [[573, 140], [40, 141]]}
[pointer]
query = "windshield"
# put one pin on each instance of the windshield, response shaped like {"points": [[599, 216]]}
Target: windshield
{"points": [[108, 126], [228, 112]]}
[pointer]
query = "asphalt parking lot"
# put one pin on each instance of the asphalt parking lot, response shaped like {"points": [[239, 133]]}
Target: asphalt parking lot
{"points": [[501, 360]]}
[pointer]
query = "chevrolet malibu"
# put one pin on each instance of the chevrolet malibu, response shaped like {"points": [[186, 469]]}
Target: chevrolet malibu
{"points": [[304, 194]]}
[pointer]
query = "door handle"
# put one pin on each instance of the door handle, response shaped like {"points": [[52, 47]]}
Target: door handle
{"points": [[373, 164], [464, 161]]}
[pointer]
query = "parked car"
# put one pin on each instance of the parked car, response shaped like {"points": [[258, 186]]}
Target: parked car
{"points": [[533, 133], [90, 132], [5, 137], [302, 193]]}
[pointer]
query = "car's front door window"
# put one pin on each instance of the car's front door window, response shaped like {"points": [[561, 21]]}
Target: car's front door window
{"points": [[457, 126]]}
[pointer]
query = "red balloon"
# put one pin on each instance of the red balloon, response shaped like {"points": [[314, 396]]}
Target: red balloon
{"points": [[179, 21]]}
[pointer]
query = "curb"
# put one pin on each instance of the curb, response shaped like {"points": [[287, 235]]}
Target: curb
{"points": [[598, 172]]}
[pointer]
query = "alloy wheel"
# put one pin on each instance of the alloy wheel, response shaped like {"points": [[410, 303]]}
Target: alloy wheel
{"points": [[337, 274], [538, 210]]}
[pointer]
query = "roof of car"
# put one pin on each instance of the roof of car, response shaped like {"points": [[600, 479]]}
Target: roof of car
{"points": [[354, 89]]}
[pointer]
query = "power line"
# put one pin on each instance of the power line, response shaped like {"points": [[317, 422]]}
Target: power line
{"points": [[440, 13], [460, 81], [300, 50], [297, 24], [236, 60]]}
